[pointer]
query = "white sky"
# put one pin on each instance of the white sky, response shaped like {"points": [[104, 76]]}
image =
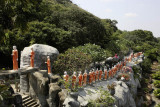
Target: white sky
{"points": [[130, 14]]}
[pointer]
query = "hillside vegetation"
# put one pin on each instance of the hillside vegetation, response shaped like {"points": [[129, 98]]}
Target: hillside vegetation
{"points": [[62, 24]]}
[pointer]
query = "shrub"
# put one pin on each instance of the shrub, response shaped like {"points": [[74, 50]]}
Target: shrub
{"points": [[104, 100], [97, 53], [145, 90], [126, 76], [157, 93], [157, 83], [158, 105], [111, 87], [156, 75], [146, 65], [71, 60]]}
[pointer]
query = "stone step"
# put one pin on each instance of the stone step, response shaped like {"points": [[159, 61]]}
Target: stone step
{"points": [[27, 99], [36, 105], [24, 97], [28, 102], [32, 104]]}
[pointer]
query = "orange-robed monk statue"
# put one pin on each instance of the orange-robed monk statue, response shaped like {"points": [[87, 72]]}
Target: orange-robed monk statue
{"points": [[65, 76], [15, 58], [80, 77], [100, 74], [32, 58], [105, 73], [90, 77], [74, 77], [85, 78], [94, 76], [48, 64], [97, 74]]}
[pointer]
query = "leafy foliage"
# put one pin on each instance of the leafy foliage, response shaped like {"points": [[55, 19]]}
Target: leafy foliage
{"points": [[146, 65], [95, 51], [156, 75], [157, 93], [157, 83], [104, 100], [71, 60], [4, 92]]}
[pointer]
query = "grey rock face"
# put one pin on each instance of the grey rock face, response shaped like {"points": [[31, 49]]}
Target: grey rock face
{"points": [[53, 100], [38, 87], [17, 100], [24, 83], [41, 53], [123, 96]]}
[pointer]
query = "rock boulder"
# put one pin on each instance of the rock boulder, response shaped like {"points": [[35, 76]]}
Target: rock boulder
{"points": [[41, 53]]}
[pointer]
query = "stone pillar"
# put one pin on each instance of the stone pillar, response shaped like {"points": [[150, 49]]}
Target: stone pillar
{"points": [[24, 83]]}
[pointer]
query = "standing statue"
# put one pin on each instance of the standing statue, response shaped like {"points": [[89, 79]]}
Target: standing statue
{"points": [[15, 58], [48, 64], [110, 73], [97, 73], [105, 74], [32, 58], [85, 78], [80, 77], [65, 76], [94, 76], [100, 74], [90, 77], [74, 80]]}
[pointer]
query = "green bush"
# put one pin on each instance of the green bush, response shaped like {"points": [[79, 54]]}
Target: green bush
{"points": [[145, 90], [146, 65], [71, 60], [156, 75], [158, 105], [157, 83], [105, 100], [157, 93], [97, 53]]}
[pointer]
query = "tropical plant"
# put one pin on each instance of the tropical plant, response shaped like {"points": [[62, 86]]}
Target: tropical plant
{"points": [[71, 60], [157, 93], [95, 51], [156, 75], [111, 86], [105, 100], [4, 92], [157, 83]]}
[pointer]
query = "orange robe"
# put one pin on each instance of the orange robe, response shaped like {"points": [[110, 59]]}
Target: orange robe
{"points": [[116, 70], [100, 74], [73, 81], [110, 73], [32, 59], [66, 77], [84, 79], [49, 65], [15, 57], [105, 74], [90, 78], [97, 72], [94, 75], [124, 63], [80, 79]]}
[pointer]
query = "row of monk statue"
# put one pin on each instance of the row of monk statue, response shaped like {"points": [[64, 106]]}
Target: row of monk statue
{"points": [[99, 75], [94, 75], [32, 54]]}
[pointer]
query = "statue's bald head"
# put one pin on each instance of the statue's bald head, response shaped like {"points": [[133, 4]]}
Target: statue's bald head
{"points": [[14, 47]]}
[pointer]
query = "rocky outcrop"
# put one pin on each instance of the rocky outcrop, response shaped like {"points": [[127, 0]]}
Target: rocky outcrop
{"points": [[123, 96], [53, 100], [38, 87], [41, 53]]}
